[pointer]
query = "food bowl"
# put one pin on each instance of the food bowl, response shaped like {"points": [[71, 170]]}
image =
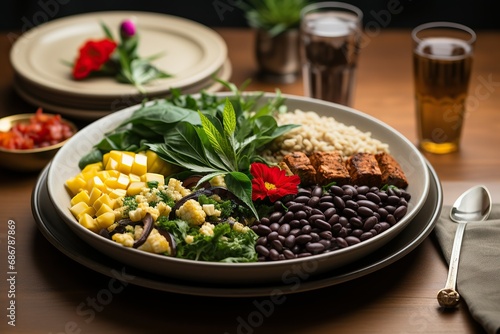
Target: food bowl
{"points": [[28, 160], [65, 166]]}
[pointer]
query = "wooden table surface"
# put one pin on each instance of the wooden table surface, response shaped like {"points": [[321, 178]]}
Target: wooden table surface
{"points": [[54, 294]]}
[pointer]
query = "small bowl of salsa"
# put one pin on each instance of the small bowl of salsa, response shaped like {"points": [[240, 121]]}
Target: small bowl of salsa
{"points": [[29, 141]]}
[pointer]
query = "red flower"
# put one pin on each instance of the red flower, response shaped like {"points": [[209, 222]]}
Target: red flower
{"points": [[272, 182], [93, 54]]}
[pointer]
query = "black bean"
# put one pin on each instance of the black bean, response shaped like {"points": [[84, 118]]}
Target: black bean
{"points": [[273, 254], [349, 213], [317, 191], [323, 206], [326, 243], [343, 232], [357, 232], [368, 204], [274, 226], [390, 208], [315, 247], [327, 235], [262, 250], [341, 242], [303, 239], [316, 211], [284, 229], [383, 196], [351, 204], [373, 198], [360, 197], [355, 222], [294, 223], [400, 212], [373, 231], [336, 190], [351, 189], [369, 223], [263, 230], [296, 207], [304, 222], [313, 218], [288, 254], [352, 240], [275, 216], [261, 241], [383, 226], [365, 236], [296, 249], [344, 221], [277, 245], [304, 192], [393, 200], [362, 190], [294, 232], [315, 237], [339, 203], [329, 213], [265, 221], [364, 211], [272, 236], [300, 215], [390, 219], [336, 228], [322, 225], [305, 254], [406, 196], [382, 212], [306, 229], [301, 199], [287, 217], [313, 201], [290, 241], [278, 206], [326, 198], [334, 219]]}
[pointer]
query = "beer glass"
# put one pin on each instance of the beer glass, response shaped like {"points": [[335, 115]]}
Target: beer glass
{"points": [[330, 39], [442, 62]]}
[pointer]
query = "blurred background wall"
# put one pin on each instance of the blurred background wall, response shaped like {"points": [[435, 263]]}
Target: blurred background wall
{"points": [[478, 14]]}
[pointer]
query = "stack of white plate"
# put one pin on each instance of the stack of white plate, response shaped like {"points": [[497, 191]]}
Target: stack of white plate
{"points": [[193, 54]]}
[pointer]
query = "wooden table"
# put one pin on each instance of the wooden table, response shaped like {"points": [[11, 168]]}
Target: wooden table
{"points": [[54, 294]]}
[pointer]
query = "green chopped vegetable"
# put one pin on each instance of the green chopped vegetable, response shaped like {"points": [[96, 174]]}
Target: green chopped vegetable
{"points": [[227, 244]]}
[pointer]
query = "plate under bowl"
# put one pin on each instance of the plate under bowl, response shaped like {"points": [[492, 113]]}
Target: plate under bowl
{"points": [[65, 166]]}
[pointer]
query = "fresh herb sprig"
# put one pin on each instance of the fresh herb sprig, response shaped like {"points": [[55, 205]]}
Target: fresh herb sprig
{"points": [[209, 134]]}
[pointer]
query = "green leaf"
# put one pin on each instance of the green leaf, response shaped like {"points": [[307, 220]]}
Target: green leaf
{"points": [[107, 31], [214, 136], [229, 119], [241, 185]]}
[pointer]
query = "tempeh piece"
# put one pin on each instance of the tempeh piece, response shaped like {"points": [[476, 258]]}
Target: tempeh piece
{"points": [[299, 164], [392, 173], [364, 170], [330, 167]]}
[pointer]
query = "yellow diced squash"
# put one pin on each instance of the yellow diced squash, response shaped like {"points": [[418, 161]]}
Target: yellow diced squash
{"points": [[88, 222], [78, 208], [82, 196], [140, 165], [76, 184], [105, 220], [135, 188], [150, 177]]}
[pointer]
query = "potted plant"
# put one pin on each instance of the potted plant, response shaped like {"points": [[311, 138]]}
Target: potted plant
{"points": [[277, 36]]}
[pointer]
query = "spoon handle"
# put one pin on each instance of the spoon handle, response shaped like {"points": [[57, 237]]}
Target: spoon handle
{"points": [[451, 281]]}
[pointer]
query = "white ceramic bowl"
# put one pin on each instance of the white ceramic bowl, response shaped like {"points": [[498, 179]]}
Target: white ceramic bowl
{"points": [[65, 166]]}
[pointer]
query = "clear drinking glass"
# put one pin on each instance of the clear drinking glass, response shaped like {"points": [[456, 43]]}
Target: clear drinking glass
{"points": [[330, 39], [442, 62]]}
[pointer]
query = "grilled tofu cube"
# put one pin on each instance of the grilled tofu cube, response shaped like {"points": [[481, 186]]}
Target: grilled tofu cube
{"points": [[364, 170], [299, 164], [392, 173], [330, 167]]}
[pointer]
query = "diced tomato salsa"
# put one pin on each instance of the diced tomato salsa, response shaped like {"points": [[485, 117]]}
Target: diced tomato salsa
{"points": [[42, 130]]}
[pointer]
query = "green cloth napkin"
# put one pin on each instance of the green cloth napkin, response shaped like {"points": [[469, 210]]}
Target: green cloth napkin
{"points": [[478, 279]]}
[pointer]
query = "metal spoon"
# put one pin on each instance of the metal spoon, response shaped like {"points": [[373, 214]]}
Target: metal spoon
{"points": [[472, 206]]}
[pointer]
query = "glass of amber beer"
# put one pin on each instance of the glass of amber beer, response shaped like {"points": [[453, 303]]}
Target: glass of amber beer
{"points": [[442, 62]]}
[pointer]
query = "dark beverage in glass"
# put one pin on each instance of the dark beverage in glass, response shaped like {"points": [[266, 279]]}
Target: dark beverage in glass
{"points": [[442, 66]]}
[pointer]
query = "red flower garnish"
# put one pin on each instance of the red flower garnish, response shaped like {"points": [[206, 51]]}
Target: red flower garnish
{"points": [[93, 54], [272, 182]]}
